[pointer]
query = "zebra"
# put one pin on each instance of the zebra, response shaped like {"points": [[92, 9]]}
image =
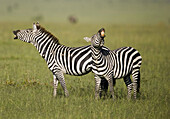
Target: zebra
{"points": [[59, 58], [116, 64]]}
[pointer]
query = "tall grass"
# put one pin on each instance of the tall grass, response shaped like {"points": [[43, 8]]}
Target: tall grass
{"points": [[26, 83]]}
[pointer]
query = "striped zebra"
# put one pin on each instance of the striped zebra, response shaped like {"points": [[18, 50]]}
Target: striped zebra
{"points": [[111, 65], [59, 58]]}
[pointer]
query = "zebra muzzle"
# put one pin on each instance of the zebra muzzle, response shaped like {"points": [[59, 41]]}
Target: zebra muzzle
{"points": [[102, 33], [15, 34]]}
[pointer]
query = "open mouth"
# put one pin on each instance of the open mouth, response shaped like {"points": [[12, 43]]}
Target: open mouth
{"points": [[15, 34], [15, 37], [102, 33]]}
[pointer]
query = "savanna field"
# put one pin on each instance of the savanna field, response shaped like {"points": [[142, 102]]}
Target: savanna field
{"points": [[26, 83]]}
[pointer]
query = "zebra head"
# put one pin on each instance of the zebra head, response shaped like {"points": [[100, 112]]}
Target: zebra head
{"points": [[97, 40], [27, 35]]}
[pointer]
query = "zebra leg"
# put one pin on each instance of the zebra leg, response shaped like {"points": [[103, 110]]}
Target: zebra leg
{"points": [[136, 82], [103, 87], [128, 83], [110, 80], [60, 77], [55, 86], [97, 86]]}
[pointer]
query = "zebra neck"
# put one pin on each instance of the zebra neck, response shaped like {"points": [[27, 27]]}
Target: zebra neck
{"points": [[96, 54], [46, 46]]}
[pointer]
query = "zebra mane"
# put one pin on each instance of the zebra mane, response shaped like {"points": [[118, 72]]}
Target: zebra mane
{"points": [[43, 30]]}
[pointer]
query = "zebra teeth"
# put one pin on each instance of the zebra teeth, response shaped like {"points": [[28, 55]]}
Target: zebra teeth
{"points": [[15, 37]]}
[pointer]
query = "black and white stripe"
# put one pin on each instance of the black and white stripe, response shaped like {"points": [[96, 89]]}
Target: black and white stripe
{"points": [[111, 65], [59, 58]]}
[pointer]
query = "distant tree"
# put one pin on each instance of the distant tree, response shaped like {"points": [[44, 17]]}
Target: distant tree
{"points": [[12, 7], [72, 19], [9, 8]]}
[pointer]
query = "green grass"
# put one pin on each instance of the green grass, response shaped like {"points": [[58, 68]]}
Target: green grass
{"points": [[26, 83]]}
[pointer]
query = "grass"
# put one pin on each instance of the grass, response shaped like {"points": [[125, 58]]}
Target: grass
{"points": [[26, 83]]}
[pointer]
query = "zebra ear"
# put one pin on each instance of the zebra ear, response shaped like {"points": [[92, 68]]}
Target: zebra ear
{"points": [[87, 39], [34, 27], [38, 25]]}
